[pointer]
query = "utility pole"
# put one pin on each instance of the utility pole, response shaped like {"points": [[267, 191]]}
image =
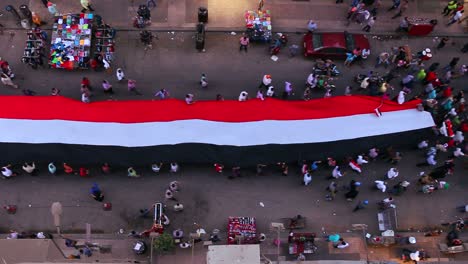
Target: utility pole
{"points": [[56, 211]]}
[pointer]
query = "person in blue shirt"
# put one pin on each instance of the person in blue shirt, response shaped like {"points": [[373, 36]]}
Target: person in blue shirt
{"points": [[314, 165]]}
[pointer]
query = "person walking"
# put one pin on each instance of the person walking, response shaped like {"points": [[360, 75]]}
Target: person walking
{"points": [[456, 18], [86, 4], [307, 178], [288, 90], [359, 206], [131, 172], [403, 7], [44, 2], [370, 22], [266, 81], [396, 4], [162, 94], [442, 43], [120, 74], [244, 43], [174, 167], [132, 87], [203, 81], [107, 87], [52, 8], [7, 81], [350, 57], [156, 167], [451, 5], [341, 243], [332, 190], [96, 193]]}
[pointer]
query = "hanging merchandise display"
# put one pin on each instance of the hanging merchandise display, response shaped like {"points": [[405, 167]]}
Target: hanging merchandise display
{"points": [[242, 230], [105, 44], [258, 25], [71, 41], [34, 51]]}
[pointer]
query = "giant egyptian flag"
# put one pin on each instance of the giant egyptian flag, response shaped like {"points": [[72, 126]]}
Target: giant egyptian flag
{"points": [[230, 132]]}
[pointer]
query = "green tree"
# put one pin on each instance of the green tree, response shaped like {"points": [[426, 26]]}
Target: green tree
{"points": [[164, 243]]}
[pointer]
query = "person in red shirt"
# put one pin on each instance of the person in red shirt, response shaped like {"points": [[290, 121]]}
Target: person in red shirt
{"points": [[447, 92], [67, 168], [84, 172], [431, 76], [105, 168], [85, 83], [219, 167]]}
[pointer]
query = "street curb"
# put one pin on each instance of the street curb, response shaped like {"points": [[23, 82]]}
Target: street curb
{"points": [[278, 30]]}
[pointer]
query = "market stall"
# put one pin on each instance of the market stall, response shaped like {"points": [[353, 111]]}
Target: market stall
{"points": [[301, 243], [242, 230], [105, 44], [258, 25], [34, 50], [71, 41]]}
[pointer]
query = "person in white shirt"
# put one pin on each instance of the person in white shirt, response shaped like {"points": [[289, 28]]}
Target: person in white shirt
{"points": [[174, 167], [311, 80], [120, 74], [266, 81], [174, 186], [13, 235], [458, 153], [415, 256], [156, 167], [458, 137], [178, 207], [401, 97], [431, 160], [271, 91], [456, 18], [336, 173], [189, 99], [307, 178], [7, 172], [381, 185], [85, 98], [423, 144], [365, 52], [40, 235], [392, 173], [29, 167], [243, 96], [360, 160], [342, 244], [311, 26]]}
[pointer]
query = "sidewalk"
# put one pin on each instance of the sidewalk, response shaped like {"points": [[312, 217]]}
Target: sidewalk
{"points": [[120, 250], [224, 15]]}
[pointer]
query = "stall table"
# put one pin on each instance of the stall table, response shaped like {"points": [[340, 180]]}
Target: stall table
{"points": [[258, 25], [301, 243], [71, 41], [242, 230]]}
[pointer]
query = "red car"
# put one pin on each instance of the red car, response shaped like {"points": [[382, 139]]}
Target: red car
{"points": [[333, 45]]}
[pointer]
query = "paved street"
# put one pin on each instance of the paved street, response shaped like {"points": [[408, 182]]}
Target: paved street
{"points": [[209, 198]]}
